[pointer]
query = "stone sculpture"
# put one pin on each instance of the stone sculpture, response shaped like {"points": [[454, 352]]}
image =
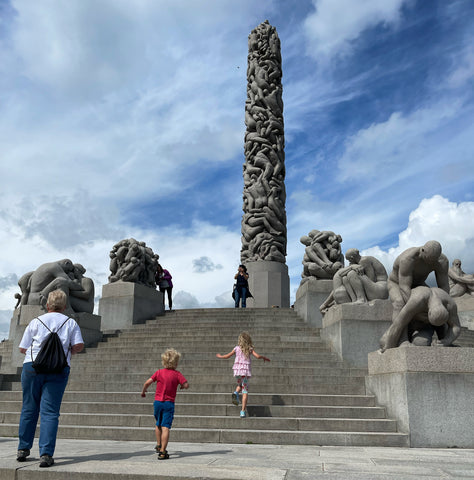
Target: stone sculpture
{"points": [[365, 279], [35, 286], [322, 255], [460, 283], [264, 196], [133, 261], [410, 270], [82, 300], [427, 310]]}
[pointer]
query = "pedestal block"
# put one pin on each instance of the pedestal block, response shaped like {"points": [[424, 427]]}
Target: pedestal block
{"points": [[353, 330], [309, 297], [269, 284], [429, 390], [22, 316], [125, 303], [90, 327]]}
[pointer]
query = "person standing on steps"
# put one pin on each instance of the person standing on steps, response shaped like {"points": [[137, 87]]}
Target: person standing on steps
{"points": [[241, 368], [163, 280], [241, 286], [167, 380], [43, 392]]}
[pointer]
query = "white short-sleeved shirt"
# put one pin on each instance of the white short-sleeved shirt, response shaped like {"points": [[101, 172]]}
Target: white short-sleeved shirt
{"points": [[36, 333]]}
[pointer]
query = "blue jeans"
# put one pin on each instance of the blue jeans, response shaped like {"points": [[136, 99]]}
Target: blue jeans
{"points": [[42, 395], [242, 295]]}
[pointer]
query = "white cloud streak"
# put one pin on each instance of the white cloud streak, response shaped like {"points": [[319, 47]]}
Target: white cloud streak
{"points": [[336, 23]]}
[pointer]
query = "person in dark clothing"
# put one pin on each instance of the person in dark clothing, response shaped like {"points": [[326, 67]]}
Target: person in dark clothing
{"points": [[242, 286], [164, 283]]}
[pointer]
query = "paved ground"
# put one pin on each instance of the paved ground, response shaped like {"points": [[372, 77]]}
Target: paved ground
{"points": [[84, 459]]}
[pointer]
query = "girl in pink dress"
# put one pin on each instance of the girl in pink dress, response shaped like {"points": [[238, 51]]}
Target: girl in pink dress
{"points": [[242, 372]]}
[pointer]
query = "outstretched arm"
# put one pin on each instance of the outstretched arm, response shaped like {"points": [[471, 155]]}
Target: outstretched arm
{"points": [[391, 337], [227, 355], [460, 279], [454, 328], [256, 355], [405, 279], [145, 386], [441, 274]]}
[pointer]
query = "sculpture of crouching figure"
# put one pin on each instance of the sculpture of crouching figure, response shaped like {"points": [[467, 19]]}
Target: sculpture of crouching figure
{"points": [[322, 255], [365, 279], [428, 310], [62, 275]]}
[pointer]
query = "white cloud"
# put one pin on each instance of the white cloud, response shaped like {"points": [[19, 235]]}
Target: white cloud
{"points": [[395, 148], [464, 73], [436, 218], [336, 23]]}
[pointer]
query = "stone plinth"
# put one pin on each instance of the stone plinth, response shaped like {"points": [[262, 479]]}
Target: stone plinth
{"points": [[465, 306], [22, 316], [269, 284], [354, 330], [429, 390], [125, 303], [90, 327], [309, 297]]}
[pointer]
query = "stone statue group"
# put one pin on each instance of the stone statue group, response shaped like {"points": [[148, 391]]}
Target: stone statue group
{"points": [[130, 261], [419, 311]]}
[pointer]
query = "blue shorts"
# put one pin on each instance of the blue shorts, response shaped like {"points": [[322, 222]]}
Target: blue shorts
{"points": [[164, 413]]}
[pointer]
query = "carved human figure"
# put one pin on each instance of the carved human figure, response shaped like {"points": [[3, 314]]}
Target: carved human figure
{"points": [[82, 300], [61, 275], [51, 276], [132, 261], [411, 269], [322, 257], [459, 282], [426, 311], [365, 279]]}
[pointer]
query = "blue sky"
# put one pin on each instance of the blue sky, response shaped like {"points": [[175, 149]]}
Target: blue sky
{"points": [[124, 118]]}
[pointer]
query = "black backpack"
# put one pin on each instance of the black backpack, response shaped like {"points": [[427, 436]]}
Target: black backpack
{"points": [[51, 357]]}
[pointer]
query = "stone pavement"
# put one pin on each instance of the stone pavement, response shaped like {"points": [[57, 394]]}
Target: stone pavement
{"points": [[112, 460]]}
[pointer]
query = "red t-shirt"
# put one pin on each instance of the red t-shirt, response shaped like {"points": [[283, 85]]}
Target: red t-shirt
{"points": [[167, 381]]}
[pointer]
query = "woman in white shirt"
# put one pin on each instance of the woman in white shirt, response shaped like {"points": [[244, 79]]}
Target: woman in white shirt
{"points": [[43, 392]]}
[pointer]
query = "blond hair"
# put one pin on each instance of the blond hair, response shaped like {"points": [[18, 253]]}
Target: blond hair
{"points": [[245, 344], [57, 301], [170, 358]]}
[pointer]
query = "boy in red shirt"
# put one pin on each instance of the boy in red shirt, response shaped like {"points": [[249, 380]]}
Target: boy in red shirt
{"points": [[167, 380]]}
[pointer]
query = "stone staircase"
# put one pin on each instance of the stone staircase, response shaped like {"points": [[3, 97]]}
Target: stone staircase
{"points": [[306, 395]]}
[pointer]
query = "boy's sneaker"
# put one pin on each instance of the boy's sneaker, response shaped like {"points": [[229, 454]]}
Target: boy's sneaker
{"points": [[235, 398], [22, 454], [242, 414], [46, 461]]}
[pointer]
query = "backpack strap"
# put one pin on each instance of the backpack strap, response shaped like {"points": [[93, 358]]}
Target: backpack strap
{"points": [[70, 346], [44, 325], [47, 328]]}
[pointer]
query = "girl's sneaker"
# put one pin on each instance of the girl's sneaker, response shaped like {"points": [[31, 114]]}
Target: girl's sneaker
{"points": [[242, 414], [235, 398]]}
